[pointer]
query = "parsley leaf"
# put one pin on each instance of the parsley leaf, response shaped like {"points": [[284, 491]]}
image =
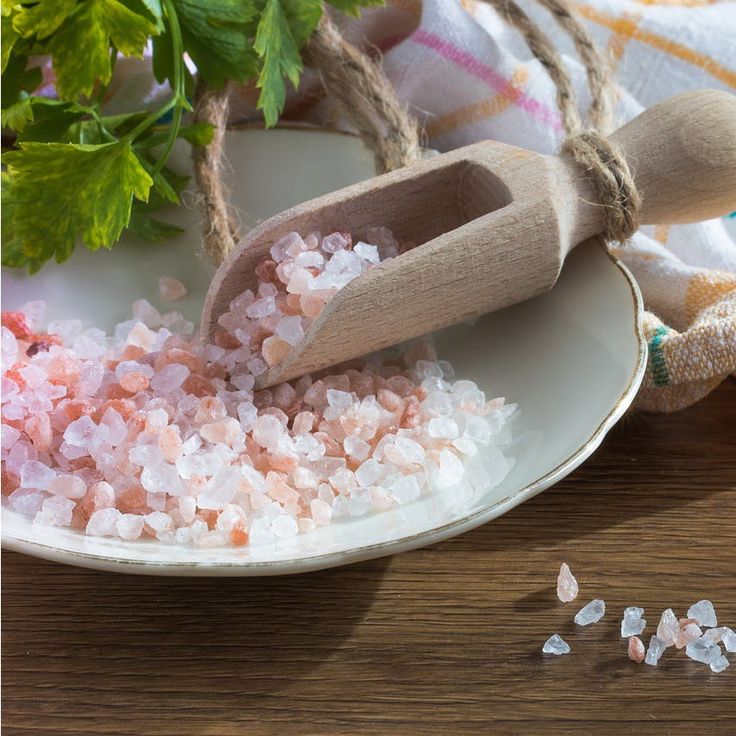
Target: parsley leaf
{"points": [[60, 192], [279, 54], [215, 36], [43, 18], [80, 48]]}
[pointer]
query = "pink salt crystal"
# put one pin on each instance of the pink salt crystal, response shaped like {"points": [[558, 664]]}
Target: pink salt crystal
{"points": [[687, 632], [637, 651], [140, 336], [567, 588], [101, 495], [275, 350], [668, 628], [171, 289], [334, 242], [70, 486], [134, 382], [170, 444], [303, 422]]}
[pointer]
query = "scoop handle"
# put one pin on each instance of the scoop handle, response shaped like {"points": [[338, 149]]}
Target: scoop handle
{"points": [[682, 154]]}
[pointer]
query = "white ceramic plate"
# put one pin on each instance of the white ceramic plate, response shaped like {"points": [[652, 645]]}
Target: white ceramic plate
{"points": [[572, 359]]}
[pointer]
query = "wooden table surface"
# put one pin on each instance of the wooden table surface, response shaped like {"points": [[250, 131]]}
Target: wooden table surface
{"points": [[446, 638]]}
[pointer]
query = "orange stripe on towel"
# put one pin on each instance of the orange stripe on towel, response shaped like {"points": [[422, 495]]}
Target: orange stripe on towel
{"points": [[625, 27], [478, 110]]}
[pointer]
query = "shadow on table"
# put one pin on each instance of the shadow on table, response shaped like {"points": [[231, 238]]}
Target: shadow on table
{"points": [[254, 635]]}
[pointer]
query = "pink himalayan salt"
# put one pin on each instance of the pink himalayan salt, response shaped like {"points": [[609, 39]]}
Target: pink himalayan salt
{"points": [[171, 289], [567, 585], [275, 350], [668, 628], [163, 429], [688, 630], [636, 649]]}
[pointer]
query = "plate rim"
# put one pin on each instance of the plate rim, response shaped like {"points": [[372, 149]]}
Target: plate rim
{"points": [[378, 549]]}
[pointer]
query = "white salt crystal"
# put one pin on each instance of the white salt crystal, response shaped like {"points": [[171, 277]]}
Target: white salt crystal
{"points": [[369, 472], [33, 375], [450, 470], [103, 523], [257, 366], [404, 451], [220, 489], [719, 664], [8, 348], [339, 400], [145, 455], [334, 242], [290, 329], [161, 478], [266, 430], [321, 511], [204, 464], [632, 623], [704, 613], [284, 527], [356, 447], [591, 613], [36, 475], [703, 650], [171, 289], [655, 651], [438, 403], [80, 432], [129, 526], [279, 248], [261, 308], [556, 645], [406, 489], [443, 427], [367, 252], [254, 479], [309, 259], [158, 521], [169, 378], [26, 501], [477, 429], [55, 511], [133, 366]]}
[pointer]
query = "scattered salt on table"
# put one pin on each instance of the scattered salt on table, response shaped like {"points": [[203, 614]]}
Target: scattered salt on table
{"points": [[636, 649], [567, 585], [704, 613], [591, 613], [556, 645], [632, 623]]}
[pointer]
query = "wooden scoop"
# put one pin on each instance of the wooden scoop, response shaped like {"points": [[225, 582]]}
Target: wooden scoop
{"points": [[493, 224]]}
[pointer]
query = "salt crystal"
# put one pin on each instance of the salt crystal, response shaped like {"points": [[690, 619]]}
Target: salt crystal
{"points": [[689, 631], [284, 527], [80, 432], [334, 242], [55, 511], [703, 650], [169, 378], [171, 289], [406, 489], [723, 634], [443, 427], [26, 501], [144, 311], [356, 448], [451, 469], [369, 472], [70, 486], [636, 649], [556, 645], [704, 613], [290, 329], [668, 628], [129, 526], [632, 623], [261, 308], [158, 521], [655, 651], [36, 475], [591, 613], [161, 478], [719, 664], [567, 585], [103, 523], [367, 252], [321, 511]]}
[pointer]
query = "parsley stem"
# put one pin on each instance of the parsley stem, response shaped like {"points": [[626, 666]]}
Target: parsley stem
{"points": [[177, 101], [177, 47]]}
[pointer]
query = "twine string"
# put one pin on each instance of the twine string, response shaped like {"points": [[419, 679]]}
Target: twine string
{"points": [[357, 85]]}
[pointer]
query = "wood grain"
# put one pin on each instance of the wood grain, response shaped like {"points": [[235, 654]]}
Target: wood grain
{"points": [[444, 639], [493, 224]]}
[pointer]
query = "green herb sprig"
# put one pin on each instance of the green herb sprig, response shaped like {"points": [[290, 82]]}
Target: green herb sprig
{"points": [[75, 174]]}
